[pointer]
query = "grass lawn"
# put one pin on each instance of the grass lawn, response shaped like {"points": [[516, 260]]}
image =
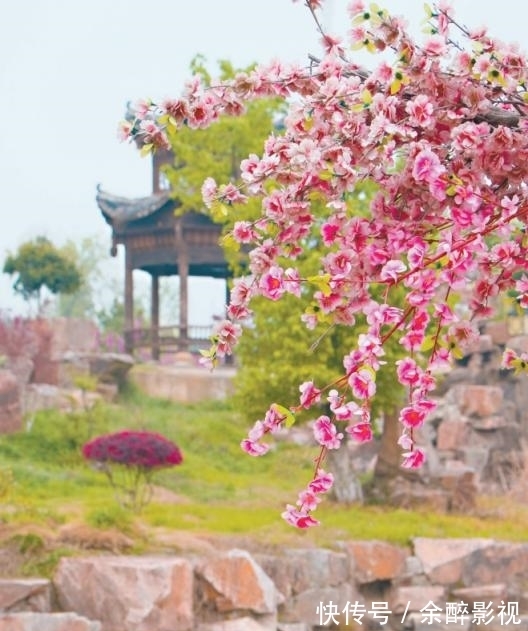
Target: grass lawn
{"points": [[218, 491]]}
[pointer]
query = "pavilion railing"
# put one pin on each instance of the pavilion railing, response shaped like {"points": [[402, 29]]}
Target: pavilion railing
{"points": [[168, 338]]}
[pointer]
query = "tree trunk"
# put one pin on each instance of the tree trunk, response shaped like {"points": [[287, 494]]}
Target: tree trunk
{"points": [[347, 487]]}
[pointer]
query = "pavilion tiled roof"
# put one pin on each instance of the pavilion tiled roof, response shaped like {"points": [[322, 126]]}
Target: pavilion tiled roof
{"points": [[124, 209]]}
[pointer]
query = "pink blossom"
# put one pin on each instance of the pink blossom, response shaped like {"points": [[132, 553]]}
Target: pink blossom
{"points": [[297, 518], [209, 191], [361, 432], [408, 372], [272, 283], [427, 166], [254, 448], [292, 281], [405, 441], [435, 45], [391, 270], [362, 383], [412, 417], [413, 459], [308, 500], [322, 482], [243, 232], [123, 130], [310, 395], [420, 110], [325, 433]]}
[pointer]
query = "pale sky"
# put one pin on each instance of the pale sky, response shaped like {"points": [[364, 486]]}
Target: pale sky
{"points": [[68, 68]]}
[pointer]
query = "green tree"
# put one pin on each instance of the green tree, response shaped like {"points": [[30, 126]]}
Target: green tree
{"points": [[38, 264]]}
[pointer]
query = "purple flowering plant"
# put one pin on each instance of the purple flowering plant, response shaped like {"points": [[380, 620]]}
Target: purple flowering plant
{"points": [[129, 458]]}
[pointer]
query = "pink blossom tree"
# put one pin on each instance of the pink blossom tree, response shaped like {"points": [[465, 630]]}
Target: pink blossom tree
{"points": [[440, 129]]}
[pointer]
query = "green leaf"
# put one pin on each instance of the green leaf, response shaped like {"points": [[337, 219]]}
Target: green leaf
{"points": [[322, 282], [289, 417], [146, 150]]}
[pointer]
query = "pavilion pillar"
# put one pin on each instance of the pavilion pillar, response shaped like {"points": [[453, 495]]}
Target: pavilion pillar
{"points": [[154, 317], [183, 273], [129, 302]]}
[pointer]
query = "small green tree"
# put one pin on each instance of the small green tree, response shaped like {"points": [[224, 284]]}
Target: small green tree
{"points": [[38, 264]]}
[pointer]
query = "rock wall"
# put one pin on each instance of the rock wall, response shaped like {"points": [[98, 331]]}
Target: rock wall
{"points": [[436, 583], [183, 383]]}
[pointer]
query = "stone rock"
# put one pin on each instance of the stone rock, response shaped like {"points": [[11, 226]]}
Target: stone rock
{"points": [[482, 593], [460, 486], [234, 582], [489, 423], [498, 332], [108, 368], [444, 560], [299, 569], [375, 560], [183, 384], [32, 594], [410, 494], [451, 435], [416, 597], [306, 606], [10, 407], [47, 622], [44, 396], [499, 563], [237, 624], [111, 367], [128, 593], [477, 400]]}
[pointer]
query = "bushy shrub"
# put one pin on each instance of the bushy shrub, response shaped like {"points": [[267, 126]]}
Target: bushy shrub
{"points": [[129, 459]]}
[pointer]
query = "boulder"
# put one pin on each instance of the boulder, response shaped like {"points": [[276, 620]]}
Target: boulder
{"points": [[415, 597], [44, 396], [497, 563], [32, 594], [183, 384], [375, 560], [445, 560], [476, 400], [235, 582], [128, 593], [10, 407], [108, 368], [299, 569], [309, 606], [452, 435], [47, 622]]}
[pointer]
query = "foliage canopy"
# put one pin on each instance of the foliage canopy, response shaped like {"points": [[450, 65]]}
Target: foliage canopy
{"points": [[38, 264]]}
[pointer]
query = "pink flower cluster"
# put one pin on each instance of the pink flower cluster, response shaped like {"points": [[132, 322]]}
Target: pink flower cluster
{"points": [[439, 129], [271, 424], [300, 514]]}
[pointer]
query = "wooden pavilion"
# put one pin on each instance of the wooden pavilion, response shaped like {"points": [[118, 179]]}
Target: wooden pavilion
{"points": [[162, 243]]}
